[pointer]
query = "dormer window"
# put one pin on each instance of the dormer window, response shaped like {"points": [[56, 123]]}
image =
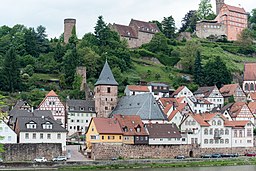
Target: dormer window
{"points": [[125, 129], [31, 125], [90, 109], [47, 125], [81, 109], [71, 108], [138, 129]]}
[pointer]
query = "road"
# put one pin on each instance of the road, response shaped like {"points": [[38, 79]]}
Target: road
{"points": [[75, 154]]}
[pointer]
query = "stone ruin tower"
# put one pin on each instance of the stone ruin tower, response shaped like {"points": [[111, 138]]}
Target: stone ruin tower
{"points": [[81, 71], [106, 91], [219, 4], [69, 24]]}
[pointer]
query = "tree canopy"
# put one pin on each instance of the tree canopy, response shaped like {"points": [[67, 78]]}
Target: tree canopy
{"points": [[204, 11]]}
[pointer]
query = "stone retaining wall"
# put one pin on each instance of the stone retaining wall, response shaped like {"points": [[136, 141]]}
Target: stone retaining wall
{"points": [[104, 151], [28, 152]]}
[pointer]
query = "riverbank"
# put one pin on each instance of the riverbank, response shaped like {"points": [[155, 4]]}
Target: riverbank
{"points": [[128, 164]]}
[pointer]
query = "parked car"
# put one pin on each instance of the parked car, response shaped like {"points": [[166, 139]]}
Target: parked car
{"points": [[60, 158], [206, 156], [250, 154], [229, 155], [216, 155], [179, 157], [40, 159]]}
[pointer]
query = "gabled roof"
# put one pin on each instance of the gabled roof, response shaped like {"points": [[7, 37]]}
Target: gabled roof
{"points": [[87, 105], [177, 91], [236, 9], [144, 26], [138, 88], [107, 126], [163, 130], [199, 119], [130, 123], [167, 100], [252, 107], [22, 127], [21, 103], [125, 31], [51, 94], [106, 76], [253, 95], [143, 105], [173, 113], [228, 90], [235, 124], [249, 72], [206, 91]]}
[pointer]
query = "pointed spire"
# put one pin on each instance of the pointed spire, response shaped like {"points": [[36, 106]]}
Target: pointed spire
{"points": [[106, 76]]}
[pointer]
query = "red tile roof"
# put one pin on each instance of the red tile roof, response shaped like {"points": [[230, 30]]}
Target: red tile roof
{"points": [[252, 107], [236, 123], [167, 101], [236, 109], [125, 31], [199, 119], [107, 126], [253, 95], [130, 123], [176, 92], [228, 90], [138, 88], [236, 9], [249, 71], [171, 116], [51, 94]]}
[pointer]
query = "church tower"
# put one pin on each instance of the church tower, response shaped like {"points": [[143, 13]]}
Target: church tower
{"points": [[219, 4], [106, 90]]}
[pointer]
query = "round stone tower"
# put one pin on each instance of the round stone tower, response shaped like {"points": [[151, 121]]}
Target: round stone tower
{"points": [[69, 24], [219, 4]]}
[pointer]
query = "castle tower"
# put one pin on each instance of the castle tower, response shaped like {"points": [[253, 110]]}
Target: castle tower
{"points": [[219, 4], [69, 24], [106, 90]]}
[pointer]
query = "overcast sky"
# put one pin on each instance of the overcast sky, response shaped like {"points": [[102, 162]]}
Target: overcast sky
{"points": [[51, 13]]}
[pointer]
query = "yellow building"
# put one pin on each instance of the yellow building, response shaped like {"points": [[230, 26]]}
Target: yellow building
{"points": [[103, 130]]}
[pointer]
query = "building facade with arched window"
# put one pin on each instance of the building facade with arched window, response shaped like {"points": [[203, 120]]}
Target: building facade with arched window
{"points": [[249, 79], [213, 130]]}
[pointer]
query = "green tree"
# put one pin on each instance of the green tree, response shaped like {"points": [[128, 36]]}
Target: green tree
{"points": [[188, 55], [59, 52], [11, 71], [159, 24], [189, 22], [42, 41], [217, 73], [204, 11], [31, 45], [168, 25], [70, 63], [198, 70]]}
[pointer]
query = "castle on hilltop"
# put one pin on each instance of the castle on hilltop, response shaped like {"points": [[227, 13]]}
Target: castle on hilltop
{"points": [[230, 22]]}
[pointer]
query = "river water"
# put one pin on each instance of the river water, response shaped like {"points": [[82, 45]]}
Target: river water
{"points": [[223, 168]]}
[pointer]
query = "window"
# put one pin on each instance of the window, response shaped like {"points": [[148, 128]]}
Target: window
{"points": [[82, 109], [93, 137], [92, 129], [41, 136], [59, 136], [9, 138], [206, 141], [108, 89], [235, 133], [211, 141], [205, 131], [240, 133], [249, 141], [106, 108], [249, 132], [213, 122], [27, 136], [48, 136], [102, 137], [211, 131], [226, 132], [111, 137], [219, 122], [226, 141], [222, 141], [34, 135], [120, 137], [221, 132]]}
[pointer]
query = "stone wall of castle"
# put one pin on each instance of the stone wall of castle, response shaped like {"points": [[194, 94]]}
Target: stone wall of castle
{"points": [[204, 29], [108, 151], [28, 152]]}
